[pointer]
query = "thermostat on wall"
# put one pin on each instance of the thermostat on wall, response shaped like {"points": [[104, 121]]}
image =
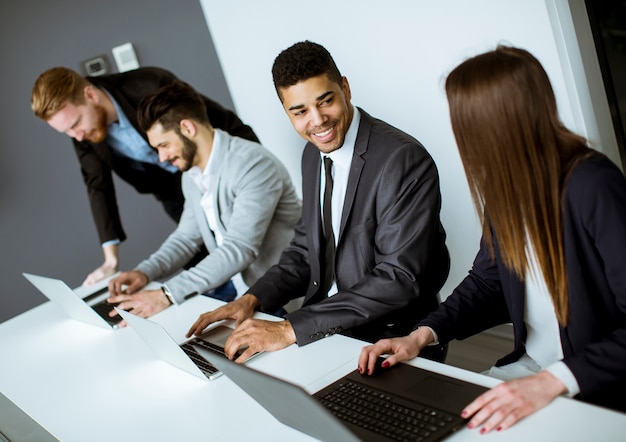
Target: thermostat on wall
{"points": [[95, 66], [125, 57]]}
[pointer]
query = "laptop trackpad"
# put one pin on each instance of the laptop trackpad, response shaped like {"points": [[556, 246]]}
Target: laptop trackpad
{"points": [[443, 393], [218, 335]]}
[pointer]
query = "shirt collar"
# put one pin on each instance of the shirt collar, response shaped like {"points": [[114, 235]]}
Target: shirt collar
{"points": [[122, 121], [203, 177]]}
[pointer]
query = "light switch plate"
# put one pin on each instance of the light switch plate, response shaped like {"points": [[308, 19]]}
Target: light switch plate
{"points": [[125, 57]]}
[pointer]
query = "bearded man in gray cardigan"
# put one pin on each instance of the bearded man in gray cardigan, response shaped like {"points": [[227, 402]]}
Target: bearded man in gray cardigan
{"points": [[239, 202]]}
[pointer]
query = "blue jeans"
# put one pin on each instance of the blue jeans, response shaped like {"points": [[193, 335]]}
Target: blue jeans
{"points": [[226, 292]]}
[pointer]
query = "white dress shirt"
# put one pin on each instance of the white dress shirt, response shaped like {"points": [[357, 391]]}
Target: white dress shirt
{"points": [[342, 160], [544, 350], [203, 179]]}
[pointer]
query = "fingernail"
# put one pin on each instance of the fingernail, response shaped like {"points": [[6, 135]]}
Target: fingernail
{"points": [[360, 369], [470, 425], [483, 430], [499, 429], [385, 364], [464, 413]]}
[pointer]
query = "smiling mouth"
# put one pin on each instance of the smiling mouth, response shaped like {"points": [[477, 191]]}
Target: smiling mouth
{"points": [[323, 134]]}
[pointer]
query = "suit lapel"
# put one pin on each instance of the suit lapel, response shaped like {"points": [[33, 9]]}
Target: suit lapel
{"points": [[358, 162], [311, 202]]}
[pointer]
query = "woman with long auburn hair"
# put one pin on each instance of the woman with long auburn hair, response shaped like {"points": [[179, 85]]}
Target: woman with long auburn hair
{"points": [[552, 258]]}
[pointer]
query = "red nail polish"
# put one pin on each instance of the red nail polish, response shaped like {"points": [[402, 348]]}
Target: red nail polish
{"points": [[483, 430], [499, 429], [384, 364], [464, 413]]}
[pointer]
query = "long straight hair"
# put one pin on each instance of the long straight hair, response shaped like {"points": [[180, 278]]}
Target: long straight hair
{"points": [[517, 156]]}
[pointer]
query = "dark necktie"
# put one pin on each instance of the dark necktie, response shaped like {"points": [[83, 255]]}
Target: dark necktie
{"points": [[329, 244]]}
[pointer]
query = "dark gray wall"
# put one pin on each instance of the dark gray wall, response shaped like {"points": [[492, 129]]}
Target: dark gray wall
{"points": [[45, 221]]}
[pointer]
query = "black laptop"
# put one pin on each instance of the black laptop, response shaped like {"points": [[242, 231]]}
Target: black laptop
{"points": [[402, 403]]}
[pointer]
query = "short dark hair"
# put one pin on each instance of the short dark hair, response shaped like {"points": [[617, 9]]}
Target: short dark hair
{"points": [[302, 61], [171, 104]]}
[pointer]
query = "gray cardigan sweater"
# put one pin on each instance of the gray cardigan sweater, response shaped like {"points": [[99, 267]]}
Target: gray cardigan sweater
{"points": [[256, 206]]}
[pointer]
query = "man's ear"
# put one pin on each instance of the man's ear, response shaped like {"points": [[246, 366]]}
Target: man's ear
{"points": [[345, 86], [188, 128], [90, 94]]}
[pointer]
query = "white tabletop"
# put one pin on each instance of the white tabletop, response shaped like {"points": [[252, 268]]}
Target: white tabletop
{"points": [[85, 383]]}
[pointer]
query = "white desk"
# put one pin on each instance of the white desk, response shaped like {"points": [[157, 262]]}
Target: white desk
{"points": [[85, 383]]}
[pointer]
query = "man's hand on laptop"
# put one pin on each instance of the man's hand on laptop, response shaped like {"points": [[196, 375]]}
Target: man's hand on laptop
{"points": [[128, 283], [143, 303], [250, 335], [256, 335], [239, 310], [126, 292]]}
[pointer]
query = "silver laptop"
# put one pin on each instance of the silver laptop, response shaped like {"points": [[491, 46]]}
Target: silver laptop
{"points": [[183, 356], [92, 309], [399, 403], [16, 425]]}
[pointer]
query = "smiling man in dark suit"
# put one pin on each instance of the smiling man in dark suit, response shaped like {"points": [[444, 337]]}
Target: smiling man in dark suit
{"points": [[367, 267], [100, 115]]}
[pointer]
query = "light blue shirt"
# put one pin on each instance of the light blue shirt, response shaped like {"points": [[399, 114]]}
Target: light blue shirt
{"points": [[126, 141]]}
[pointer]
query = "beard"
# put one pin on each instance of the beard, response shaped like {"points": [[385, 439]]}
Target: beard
{"points": [[98, 133], [190, 148]]}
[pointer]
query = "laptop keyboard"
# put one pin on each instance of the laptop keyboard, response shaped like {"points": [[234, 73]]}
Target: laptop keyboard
{"points": [[204, 365], [104, 308], [377, 412]]}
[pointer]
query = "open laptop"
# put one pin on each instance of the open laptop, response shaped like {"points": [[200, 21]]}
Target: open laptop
{"points": [[92, 309], [183, 356], [16, 425], [399, 403]]}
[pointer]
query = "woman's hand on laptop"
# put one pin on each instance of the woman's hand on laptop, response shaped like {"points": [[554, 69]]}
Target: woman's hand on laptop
{"points": [[398, 349], [508, 402], [239, 310]]}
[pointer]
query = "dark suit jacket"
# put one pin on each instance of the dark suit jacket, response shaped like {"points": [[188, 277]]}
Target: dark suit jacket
{"points": [[594, 341], [391, 258], [98, 160]]}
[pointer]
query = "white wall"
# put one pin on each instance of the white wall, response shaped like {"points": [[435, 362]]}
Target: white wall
{"points": [[396, 55]]}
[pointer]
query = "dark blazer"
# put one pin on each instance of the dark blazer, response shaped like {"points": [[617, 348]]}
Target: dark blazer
{"points": [[594, 341], [391, 258], [98, 160]]}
